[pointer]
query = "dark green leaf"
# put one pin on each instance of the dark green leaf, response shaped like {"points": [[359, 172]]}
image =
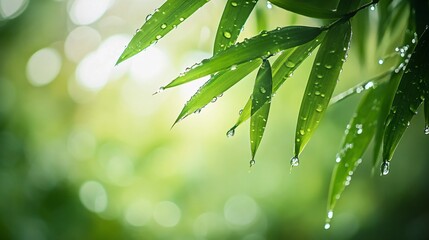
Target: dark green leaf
{"points": [[322, 81], [165, 19], [282, 69], [410, 94], [217, 84], [260, 109], [263, 45], [306, 8], [358, 135], [233, 18]]}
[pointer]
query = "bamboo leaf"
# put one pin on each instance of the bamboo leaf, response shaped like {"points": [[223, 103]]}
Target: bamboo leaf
{"points": [[306, 8], [408, 97], [358, 135], [164, 19], [282, 69], [362, 87], [233, 18], [217, 84], [260, 110], [263, 45], [321, 83]]}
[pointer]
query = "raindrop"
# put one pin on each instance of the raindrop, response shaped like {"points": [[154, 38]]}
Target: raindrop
{"points": [[302, 132], [368, 85], [427, 130], [317, 93], [385, 168], [240, 112], [380, 61], [252, 162], [160, 90], [338, 159], [327, 66], [233, 67], [290, 64], [214, 100], [269, 5], [163, 26], [234, 4], [330, 214], [148, 17], [294, 162], [262, 90], [319, 76], [227, 34], [158, 37], [230, 133], [181, 19], [197, 111], [327, 226], [319, 108]]}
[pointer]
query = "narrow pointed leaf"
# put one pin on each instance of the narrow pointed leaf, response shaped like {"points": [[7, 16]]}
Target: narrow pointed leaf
{"points": [[282, 69], [165, 19], [358, 136], [263, 45], [233, 18], [322, 81], [409, 96], [362, 87], [261, 93], [217, 84], [309, 9]]}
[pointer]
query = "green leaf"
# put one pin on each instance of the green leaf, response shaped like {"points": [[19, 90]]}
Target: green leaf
{"points": [[260, 110], [263, 45], [233, 18], [307, 8], [358, 135], [322, 81], [362, 87], [282, 69], [409, 96], [165, 19], [217, 84]]}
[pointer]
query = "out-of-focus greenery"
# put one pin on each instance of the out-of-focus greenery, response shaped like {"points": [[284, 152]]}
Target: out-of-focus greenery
{"points": [[86, 151]]}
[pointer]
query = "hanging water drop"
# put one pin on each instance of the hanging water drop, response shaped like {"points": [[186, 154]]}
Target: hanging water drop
{"points": [[160, 90], [240, 112], [214, 100], [148, 17], [330, 214], [197, 111], [385, 168], [230, 133], [227, 34], [269, 5], [294, 162], [252, 162]]}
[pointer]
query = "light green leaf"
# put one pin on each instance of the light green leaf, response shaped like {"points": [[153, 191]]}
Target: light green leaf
{"points": [[282, 69], [233, 18], [322, 81], [362, 87], [263, 45], [165, 19], [260, 110], [358, 135], [217, 84], [409, 96]]}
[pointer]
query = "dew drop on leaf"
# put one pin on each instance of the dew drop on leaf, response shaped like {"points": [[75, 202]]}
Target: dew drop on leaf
{"points": [[163, 26], [327, 226], [294, 162], [385, 168], [252, 162], [181, 19], [319, 108], [234, 4], [427, 130], [158, 37], [227, 34], [230, 132], [262, 90], [290, 64]]}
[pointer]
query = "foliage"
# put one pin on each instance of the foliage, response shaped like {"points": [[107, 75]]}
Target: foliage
{"points": [[389, 100]]}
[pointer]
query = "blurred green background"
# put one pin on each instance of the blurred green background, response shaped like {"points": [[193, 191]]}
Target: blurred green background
{"points": [[86, 151]]}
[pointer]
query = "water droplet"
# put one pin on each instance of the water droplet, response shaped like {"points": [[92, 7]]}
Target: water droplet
{"points": [[294, 162], [290, 64], [327, 226], [302, 132], [197, 111], [214, 100], [427, 129], [385, 168], [369, 85], [330, 214], [160, 90], [233, 67], [234, 4], [163, 26], [317, 93], [269, 5], [227, 34], [230, 133], [338, 159], [262, 90], [252, 162], [181, 19], [240, 112], [327, 66], [158, 37], [372, 8], [319, 108], [380, 61], [319, 76], [148, 17]]}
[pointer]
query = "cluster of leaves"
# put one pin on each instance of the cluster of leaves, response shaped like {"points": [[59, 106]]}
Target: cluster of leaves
{"points": [[390, 100]]}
